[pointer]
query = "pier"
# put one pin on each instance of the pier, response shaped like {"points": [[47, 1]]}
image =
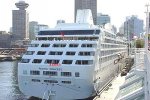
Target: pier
{"points": [[9, 54]]}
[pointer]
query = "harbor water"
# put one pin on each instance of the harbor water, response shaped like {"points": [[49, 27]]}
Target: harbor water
{"points": [[9, 89]]}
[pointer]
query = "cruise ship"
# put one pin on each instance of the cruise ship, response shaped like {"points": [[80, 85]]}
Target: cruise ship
{"points": [[71, 61]]}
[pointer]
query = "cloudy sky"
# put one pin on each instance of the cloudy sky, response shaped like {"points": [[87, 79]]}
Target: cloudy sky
{"points": [[49, 11]]}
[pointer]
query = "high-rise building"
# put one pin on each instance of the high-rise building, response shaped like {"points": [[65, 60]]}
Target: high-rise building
{"points": [[34, 28], [5, 39], [133, 26], [87, 4], [20, 21], [102, 19]]}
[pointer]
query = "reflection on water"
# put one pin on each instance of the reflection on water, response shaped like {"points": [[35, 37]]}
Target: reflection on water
{"points": [[8, 82]]}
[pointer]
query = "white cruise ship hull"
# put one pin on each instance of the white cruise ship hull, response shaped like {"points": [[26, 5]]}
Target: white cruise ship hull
{"points": [[71, 61], [80, 88]]}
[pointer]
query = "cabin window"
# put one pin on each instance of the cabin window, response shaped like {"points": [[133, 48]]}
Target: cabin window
{"points": [[25, 60], [59, 45], [37, 61], [51, 61], [86, 53], [66, 82], [67, 62], [66, 74], [35, 80], [33, 45], [88, 45], [84, 62], [29, 52], [41, 52], [55, 53], [50, 73], [34, 72], [73, 45], [70, 53], [51, 81], [45, 45], [77, 74]]}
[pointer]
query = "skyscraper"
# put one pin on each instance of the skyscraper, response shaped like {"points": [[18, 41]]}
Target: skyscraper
{"points": [[102, 19], [20, 21], [133, 26], [87, 4]]}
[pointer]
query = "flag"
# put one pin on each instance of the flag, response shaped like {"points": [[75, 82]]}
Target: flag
{"points": [[62, 33]]}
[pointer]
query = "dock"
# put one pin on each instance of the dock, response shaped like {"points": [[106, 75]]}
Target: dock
{"points": [[111, 92], [11, 54]]}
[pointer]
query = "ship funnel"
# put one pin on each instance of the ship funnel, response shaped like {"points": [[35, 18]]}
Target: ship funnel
{"points": [[84, 16]]}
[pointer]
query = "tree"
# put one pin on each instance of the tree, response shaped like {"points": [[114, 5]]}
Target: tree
{"points": [[139, 43]]}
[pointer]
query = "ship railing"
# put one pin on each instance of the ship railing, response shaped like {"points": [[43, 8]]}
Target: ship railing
{"points": [[44, 94], [139, 62]]}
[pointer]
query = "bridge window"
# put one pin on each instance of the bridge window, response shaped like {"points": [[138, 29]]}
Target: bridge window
{"points": [[29, 52], [41, 52], [25, 60], [37, 61], [34, 72], [66, 74]]}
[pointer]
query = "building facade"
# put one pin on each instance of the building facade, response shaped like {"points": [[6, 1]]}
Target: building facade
{"points": [[102, 19], [5, 39], [133, 26], [34, 28], [20, 22], [87, 4]]}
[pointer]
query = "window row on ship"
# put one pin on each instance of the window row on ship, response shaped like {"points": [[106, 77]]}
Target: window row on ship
{"points": [[54, 62], [75, 45], [72, 53], [107, 34], [114, 41], [112, 46], [60, 38], [109, 52], [62, 45], [109, 57], [53, 73], [81, 53], [52, 81]]}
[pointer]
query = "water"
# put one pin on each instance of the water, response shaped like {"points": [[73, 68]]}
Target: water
{"points": [[9, 89]]}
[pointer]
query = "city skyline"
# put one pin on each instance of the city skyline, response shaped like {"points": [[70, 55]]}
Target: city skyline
{"points": [[48, 12]]}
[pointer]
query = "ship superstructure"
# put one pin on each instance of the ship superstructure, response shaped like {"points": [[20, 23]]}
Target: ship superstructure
{"points": [[71, 61]]}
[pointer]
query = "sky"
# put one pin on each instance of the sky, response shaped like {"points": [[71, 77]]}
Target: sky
{"points": [[49, 11]]}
